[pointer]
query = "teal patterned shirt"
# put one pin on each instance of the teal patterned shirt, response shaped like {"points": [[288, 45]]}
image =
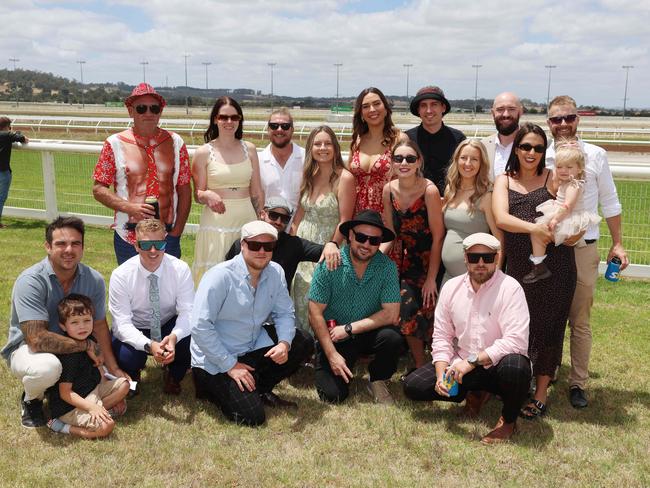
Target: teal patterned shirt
{"points": [[349, 298]]}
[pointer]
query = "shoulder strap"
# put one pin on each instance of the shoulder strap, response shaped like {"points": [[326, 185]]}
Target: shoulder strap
{"points": [[245, 148], [548, 173]]}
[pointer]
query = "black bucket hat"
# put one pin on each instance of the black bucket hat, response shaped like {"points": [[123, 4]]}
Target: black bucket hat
{"points": [[367, 217], [429, 92]]}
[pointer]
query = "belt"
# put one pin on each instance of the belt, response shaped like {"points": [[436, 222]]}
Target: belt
{"points": [[131, 226], [590, 241]]}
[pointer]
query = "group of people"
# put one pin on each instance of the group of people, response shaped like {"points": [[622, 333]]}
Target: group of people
{"points": [[302, 257]]}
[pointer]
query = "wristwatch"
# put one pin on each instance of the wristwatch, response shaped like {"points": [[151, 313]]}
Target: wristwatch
{"points": [[473, 360], [147, 348], [348, 329]]}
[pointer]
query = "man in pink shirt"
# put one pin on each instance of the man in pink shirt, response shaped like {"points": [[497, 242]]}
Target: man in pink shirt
{"points": [[480, 339]]}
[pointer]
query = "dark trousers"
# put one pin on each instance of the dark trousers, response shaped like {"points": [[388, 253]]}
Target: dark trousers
{"points": [[132, 360], [510, 379], [386, 343], [124, 250], [245, 407]]}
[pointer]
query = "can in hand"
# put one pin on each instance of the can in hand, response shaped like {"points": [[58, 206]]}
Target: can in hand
{"points": [[613, 269], [331, 323], [153, 201]]}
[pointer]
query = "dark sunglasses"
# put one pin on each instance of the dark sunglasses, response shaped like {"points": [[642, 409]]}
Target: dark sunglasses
{"points": [[257, 245], [228, 118], [539, 148], [360, 237], [277, 215], [142, 109], [276, 125], [488, 257], [567, 118], [410, 159], [147, 245]]}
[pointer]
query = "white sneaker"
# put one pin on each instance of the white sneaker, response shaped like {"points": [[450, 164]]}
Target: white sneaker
{"points": [[380, 392]]}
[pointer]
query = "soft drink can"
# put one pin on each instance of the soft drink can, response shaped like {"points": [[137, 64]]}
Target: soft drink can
{"points": [[331, 324], [613, 269]]}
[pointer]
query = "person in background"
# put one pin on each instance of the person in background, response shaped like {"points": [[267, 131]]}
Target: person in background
{"points": [[506, 111], [7, 138]]}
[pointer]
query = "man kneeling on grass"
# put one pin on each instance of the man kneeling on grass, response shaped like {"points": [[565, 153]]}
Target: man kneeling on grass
{"points": [[83, 402], [480, 340]]}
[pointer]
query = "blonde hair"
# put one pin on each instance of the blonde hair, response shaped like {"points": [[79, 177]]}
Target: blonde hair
{"points": [[311, 167], [562, 100], [566, 152], [481, 180], [149, 225]]}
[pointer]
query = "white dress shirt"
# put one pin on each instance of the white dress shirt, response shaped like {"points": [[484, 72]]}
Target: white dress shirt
{"points": [[128, 299], [282, 182], [599, 184], [501, 156]]}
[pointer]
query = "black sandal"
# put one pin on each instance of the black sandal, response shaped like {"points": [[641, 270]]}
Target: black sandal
{"points": [[533, 410]]}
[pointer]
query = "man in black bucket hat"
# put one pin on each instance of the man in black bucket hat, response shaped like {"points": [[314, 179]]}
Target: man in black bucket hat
{"points": [[353, 311], [436, 140]]}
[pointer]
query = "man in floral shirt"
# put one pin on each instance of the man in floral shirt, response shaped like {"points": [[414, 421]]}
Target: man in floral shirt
{"points": [[148, 168]]}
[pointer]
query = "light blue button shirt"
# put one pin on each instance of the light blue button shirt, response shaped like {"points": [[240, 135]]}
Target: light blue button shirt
{"points": [[228, 314]]}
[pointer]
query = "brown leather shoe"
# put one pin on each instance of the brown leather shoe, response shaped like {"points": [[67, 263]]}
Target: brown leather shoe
{"points": [[170, 385], [474, 401], [502, 432], [270, 399]]}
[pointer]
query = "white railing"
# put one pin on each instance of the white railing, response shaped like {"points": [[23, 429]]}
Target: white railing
{"points": [[55, 178]]}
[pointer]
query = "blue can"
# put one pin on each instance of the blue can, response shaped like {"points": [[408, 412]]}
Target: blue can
{"points": [[613, 269]]}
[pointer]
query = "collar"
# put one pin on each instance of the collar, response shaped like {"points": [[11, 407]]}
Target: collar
{"points": [[431, 134], [242, 270], [50, 270], [488, 284], [268, 157], [145, 272]]}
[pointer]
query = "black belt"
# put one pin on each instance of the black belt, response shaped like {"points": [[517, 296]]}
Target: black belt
{"points": [[590, 241], [131, 226]]}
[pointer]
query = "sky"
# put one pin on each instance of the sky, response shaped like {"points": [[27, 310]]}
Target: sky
{"points": [[587, 41]]}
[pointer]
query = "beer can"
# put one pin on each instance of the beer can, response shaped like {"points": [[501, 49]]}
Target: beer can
{"points": [[331, 324], [153, 201]]}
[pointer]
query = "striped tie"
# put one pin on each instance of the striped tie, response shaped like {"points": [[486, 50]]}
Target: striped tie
{"points": [[154, 298]]}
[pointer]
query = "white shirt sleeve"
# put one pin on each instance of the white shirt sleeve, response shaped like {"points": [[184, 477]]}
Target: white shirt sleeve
{"points": [[184, 300], [607, 194], [119, 304]]}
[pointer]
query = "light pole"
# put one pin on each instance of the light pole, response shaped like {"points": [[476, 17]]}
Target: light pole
{"points": [[206, 64], [271, 65], [338, 67], [15, 60], [81, 68], [187, 108], [626, 67], [476, 67], [408, 73], [549, 67], [144, 70]]}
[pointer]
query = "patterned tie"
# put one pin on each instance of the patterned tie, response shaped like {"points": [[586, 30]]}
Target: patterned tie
{"points": [[154, 298]]}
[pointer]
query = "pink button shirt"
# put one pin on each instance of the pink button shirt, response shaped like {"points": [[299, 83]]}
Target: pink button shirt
{"points": [[494, 319]]}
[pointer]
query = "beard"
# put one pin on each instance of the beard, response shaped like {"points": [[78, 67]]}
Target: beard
{"points": [[281, 144], [480, 277], [507, 127]]}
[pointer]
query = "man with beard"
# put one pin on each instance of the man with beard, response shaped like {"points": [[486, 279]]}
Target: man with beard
{"points": [[480, 340], [436, 140], [506, 111], [353, 311], [281, 162], [599, 189]]}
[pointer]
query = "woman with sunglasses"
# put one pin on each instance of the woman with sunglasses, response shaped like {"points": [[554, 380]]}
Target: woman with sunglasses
{"points": [[373, 136], [326, 200], [227, 181], [467, 206], [526, 184], [413, 211]]}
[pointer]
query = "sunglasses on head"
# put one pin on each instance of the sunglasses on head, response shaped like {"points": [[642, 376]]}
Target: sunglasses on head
{"points": [[273, 215], [257, 245], [276, 125], [228, 118], [360, 237], [539, 148], [567, 118], [488, 257], [142, 109], [147, 245], [410, 159]]}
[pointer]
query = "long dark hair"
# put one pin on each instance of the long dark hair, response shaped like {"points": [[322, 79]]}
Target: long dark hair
{"points": [[360, 127], [311, 167], [213, 129], [513, 167]]}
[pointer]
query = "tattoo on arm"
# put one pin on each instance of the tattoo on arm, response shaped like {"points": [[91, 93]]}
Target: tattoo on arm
{"points": [[39, 339], [256, 205]]}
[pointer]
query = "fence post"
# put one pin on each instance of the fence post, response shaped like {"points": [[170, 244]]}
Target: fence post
{"points": [[49, 184]]}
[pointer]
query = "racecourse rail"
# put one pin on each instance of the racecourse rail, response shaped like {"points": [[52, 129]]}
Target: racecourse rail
{"points": [[38, 196]]}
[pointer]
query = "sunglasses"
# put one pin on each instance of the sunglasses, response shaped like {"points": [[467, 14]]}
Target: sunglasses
{"points": [[147, 245], [567, 118], [228, 118], [277, 215], [539, 148], [276, 125], [142, 109], [473, 257], [257, 245], [410, 159], [360, 237]]}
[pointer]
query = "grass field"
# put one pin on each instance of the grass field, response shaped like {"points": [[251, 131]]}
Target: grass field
{"points": [[166, 441]]}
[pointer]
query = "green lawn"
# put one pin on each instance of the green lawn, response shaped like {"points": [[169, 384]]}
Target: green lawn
{"points": [[166, 441]]}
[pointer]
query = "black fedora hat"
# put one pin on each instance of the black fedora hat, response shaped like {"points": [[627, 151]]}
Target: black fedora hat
{"points": [[367, 217], [429, 92]]}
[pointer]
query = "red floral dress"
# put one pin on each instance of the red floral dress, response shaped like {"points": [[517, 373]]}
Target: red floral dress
{"points": [[369, 185], [411, 251]]}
